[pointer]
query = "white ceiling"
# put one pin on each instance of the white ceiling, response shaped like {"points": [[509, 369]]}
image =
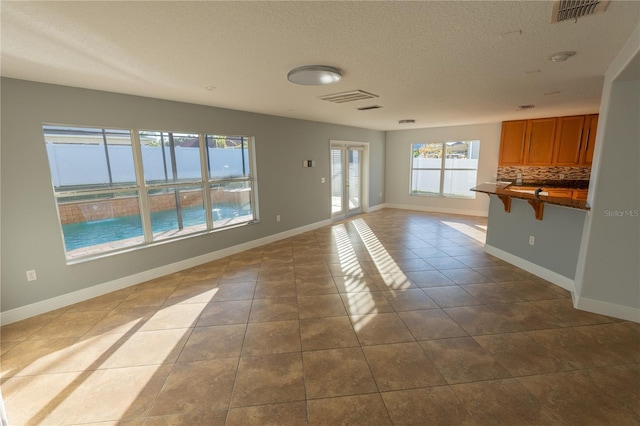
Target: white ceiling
{"points": [[438, 62]]}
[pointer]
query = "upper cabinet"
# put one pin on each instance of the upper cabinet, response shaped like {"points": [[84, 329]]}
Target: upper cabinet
{"points": [[561, 141], [540, 138], [512, 142]]}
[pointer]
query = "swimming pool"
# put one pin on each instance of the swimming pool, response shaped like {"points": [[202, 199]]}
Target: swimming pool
{"points": [[87, 234]]}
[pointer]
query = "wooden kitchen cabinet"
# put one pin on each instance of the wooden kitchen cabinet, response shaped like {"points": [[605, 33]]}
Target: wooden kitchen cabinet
{"points": [[512, 142], [540, 142], [589, 140], [580, 194], [568, 193], [569, 141]]}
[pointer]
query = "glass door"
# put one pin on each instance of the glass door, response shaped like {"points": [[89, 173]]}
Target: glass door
{"points": [[346, 181]]}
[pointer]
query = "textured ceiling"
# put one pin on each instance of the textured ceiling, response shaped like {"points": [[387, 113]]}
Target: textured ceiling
{"points": [[440, 63]]}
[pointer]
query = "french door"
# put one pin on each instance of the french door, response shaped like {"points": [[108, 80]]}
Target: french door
{"points": [[346, 180]]}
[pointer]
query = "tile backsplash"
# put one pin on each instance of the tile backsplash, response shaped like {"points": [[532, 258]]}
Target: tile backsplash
{"points": [[533, 173]]}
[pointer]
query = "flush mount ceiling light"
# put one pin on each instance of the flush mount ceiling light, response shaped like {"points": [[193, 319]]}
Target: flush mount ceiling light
{"points": [[314, 75], [561, 56]]}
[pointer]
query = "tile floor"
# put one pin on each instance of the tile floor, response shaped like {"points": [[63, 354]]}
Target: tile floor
{"points": [[393, 317]]}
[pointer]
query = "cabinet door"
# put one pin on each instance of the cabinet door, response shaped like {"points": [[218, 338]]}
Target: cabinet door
{"points": [[512, 142], [589, 140], [569, 140], [540, 138], [580, 194], [566, 193]]}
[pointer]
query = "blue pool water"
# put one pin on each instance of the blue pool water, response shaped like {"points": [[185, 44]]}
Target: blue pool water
{"points": [[85, 234]]}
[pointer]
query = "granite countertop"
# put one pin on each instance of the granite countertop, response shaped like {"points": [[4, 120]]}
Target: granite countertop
{"points": [[510, 190]]}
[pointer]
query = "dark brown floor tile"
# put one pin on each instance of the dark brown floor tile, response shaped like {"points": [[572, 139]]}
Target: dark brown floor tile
{"points": [[264, 338], [409, 300], [401, 366], [22, 330], [234, 291], [411, 265], [365, 303], [106, 302], [574, 399], [520, 354], [205, 343], [563, 311], [464, 276], [429, 252], [320, 306], [431, 324], [225, 313], [526, 315], [478, 320], [192, 293], [240, 274], [503, 402], [430, 279], [426, 406], [271, 273], [269, 379], [336, 372], [478, 260], [451, 297], [314, 286], [306, 270], [462, 360], [196, 386], [617, 337], [393, 281], [68, 324], [358, 410], [356, 284], [327, 333], [379, 329], [620, 382], [274, 309], [289, 413], [579, 350], [502, 273]]}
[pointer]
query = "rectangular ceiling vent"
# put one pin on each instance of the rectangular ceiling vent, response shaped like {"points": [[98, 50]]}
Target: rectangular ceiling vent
{"points": [[354, 95], [564, 10], [369, 108]]}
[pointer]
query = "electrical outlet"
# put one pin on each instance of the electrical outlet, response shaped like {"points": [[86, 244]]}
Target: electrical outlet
{"points": [[532, 240], [31, 275], [277, 218], [322, 180]]}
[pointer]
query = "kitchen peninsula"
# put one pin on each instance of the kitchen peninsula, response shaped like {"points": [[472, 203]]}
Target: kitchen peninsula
{"points": [[535, 230]]}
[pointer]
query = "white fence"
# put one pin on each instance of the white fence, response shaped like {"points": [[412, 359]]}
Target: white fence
{"points": [[74, 164], [456, 182]]}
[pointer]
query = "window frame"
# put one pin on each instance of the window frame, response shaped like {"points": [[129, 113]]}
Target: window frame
{"points": [[443, 169], [143, 188]]}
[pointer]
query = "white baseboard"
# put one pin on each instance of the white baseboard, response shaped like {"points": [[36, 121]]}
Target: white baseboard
{"points": [[608, 309], [431, 209], [544, 273], [61, 301], [375, 208]]}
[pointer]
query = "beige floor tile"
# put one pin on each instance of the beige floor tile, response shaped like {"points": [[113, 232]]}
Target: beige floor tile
{"points": [[479, 320], [290, 413], [105, 302], [146, 348], [34, 356], [426, 406], [269, 379], [563, 310], [193, 293], [270, 273], [379, 329], [431, 324], [224, 341], [196, 386], [275, 337], [462, 360], [491, 293], [234, 291], [336, 372], [23, 330], [274, 309], [425, 279], [531, 290], [356, 284], [464, 276], [502, 273], [240, 275], [394, 280], [123, 320], [175, 316], [364, 410], [315, 286], [72, 324], [401, 366], [311, 271], [442, 263], [147, 296], [225, 313]]}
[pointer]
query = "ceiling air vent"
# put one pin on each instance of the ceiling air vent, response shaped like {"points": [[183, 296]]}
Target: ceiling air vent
{"points": [[573, 9], [367, 108], [354, 95], [525, 107]]}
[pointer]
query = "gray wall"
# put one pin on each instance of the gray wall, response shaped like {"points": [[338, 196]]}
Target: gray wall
{"points": [[30, 233], [609, 269], [557, 235]]}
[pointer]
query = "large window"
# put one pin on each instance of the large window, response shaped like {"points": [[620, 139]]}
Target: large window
{"points": [[444, 168], [120, 188]]}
